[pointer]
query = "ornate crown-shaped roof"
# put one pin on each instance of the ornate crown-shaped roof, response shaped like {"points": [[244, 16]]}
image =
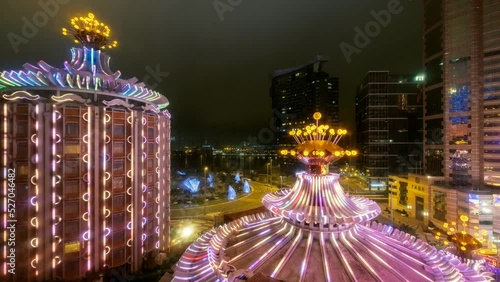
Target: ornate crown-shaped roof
{"points": [[88, 71], [318, 144], [90, 32]]}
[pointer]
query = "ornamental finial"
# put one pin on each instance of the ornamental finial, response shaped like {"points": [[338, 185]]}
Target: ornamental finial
{"points": [[90, 32], [318, 144]]}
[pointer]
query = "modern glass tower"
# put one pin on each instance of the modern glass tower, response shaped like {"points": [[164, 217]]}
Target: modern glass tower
{"points": [[389, 125], [462, 92]]}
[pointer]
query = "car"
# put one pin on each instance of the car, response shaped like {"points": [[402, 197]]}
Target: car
{"points": [[189, 202]]}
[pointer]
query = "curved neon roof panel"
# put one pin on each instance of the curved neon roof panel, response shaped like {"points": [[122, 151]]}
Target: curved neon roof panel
{"points": [[87, 71]]}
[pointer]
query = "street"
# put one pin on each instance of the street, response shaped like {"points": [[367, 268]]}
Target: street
{"points": [[250, 201]]}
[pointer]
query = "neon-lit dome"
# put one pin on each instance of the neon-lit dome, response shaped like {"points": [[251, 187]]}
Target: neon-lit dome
{"points": [[315, 232]]}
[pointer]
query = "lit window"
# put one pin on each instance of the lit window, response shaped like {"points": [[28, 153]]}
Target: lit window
{"points": [[23, 169], [71, 147], [72, 247]]}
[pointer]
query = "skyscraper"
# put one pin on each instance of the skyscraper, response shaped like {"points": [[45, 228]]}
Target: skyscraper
{"points": [[300, 91], [85, 165], [462, 64], [389, 125], [461, 102]]}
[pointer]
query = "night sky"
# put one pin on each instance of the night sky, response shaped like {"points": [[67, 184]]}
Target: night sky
{"points": [[219, 64]]}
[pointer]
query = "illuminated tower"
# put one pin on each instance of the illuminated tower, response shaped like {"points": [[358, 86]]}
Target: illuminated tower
{"points": [[389, 125], [91, 153], [315, 232], [461, 58]]}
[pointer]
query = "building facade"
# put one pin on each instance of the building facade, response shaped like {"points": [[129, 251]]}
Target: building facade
{"points": [[461, 94], [462, 64], [389, 126], [85, 160]]}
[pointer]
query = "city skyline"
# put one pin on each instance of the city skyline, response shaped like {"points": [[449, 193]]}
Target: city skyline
{"points": [[233, 140], [229, 60]]}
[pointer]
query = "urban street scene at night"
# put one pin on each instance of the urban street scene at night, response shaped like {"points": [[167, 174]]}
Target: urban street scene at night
{"points": [[238, 140]]}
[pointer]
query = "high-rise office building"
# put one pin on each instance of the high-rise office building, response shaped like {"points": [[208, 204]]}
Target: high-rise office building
{"points": [[462, 93], [299, 92], [389, 126], [461, 110], [85, 165]]}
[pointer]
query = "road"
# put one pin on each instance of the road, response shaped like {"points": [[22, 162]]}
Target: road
{"points": [[352, 185], [250, 201]]}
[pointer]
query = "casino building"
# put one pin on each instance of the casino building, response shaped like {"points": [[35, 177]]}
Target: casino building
{"points": [[91, 154]]}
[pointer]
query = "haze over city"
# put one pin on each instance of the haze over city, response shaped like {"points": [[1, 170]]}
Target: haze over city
{"points": [[219, 59]]}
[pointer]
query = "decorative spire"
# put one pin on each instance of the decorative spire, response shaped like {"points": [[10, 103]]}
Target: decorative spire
{"points": [[318, 146], [90, 32]]}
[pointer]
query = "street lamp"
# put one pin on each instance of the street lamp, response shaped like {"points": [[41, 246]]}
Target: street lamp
{"points": [[205, 190], [187, 231], [267, 168], [271, 171]]}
